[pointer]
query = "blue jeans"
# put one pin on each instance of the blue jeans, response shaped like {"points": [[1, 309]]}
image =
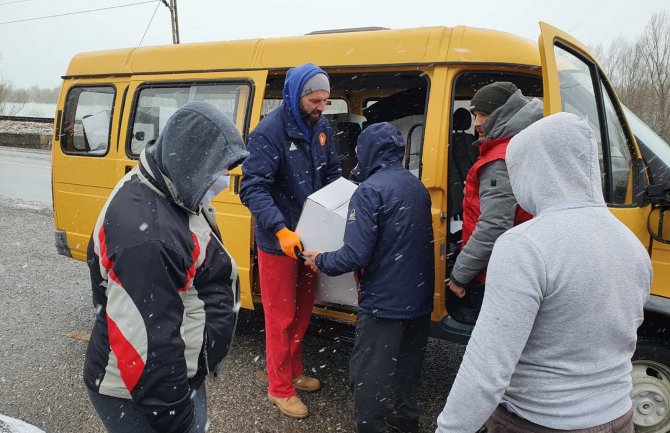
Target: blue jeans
{"points": [[118, 415]]}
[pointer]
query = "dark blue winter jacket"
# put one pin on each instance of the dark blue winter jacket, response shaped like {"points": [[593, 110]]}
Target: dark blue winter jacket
{"points": [[389, 232], [288, 161]]}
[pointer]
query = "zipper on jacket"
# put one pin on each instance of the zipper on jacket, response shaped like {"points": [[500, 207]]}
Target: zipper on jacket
{"points": [[204, 352]]}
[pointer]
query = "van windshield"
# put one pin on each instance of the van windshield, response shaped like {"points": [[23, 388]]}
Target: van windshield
{"points": [[655, 150]]}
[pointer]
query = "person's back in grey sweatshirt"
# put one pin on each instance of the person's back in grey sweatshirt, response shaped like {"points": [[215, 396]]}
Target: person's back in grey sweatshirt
{"points": [[565, 295]]}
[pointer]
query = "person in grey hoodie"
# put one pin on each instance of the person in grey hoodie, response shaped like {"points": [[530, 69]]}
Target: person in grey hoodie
{"points": [[565, 293], [489, 207]]}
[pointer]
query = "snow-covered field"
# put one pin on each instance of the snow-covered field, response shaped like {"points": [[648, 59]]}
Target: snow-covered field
{"points": [[14, 127], [31, 109]]}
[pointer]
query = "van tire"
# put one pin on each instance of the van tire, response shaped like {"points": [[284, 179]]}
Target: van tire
{"points": [[651, 386]]}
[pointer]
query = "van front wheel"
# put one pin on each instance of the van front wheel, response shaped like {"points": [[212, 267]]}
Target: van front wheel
{"points": [[651, 386]]}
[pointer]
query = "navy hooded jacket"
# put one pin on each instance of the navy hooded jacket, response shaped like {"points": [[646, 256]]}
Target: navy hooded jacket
{"points": [[389, 232], [289, 160]]}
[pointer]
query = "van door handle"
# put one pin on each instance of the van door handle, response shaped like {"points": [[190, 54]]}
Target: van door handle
{"points": [[236, 185]]}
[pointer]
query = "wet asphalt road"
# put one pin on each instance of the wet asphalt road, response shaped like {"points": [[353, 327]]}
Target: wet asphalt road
{"points": [[25, 174], [45, 296]]}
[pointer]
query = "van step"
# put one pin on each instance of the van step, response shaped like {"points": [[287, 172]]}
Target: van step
{"points": [[452, 330]]}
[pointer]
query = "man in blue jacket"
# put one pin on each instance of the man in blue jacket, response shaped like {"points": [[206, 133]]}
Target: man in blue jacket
{"points": [[292, 154], [389, 240]]}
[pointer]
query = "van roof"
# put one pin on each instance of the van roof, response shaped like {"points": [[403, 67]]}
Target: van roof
{"points": [[428, 45]]}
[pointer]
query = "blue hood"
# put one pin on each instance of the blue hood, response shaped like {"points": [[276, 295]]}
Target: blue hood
{"points": [[380, 145], [295, 81]]}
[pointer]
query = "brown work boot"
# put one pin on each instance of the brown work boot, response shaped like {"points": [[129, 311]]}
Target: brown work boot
{"points": [[306, 383], [291, 406]]}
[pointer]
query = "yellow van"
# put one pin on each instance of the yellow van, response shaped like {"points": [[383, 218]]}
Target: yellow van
{"points": [[112, 103]]}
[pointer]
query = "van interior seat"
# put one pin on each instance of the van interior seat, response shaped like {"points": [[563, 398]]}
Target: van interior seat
{"points": [[462, 119], [463, 155], [346, 135], [462, 141]]}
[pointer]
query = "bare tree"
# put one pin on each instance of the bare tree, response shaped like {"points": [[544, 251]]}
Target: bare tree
{"points": [[640, 72], [626, 69], [655, 47], [10, 102]]}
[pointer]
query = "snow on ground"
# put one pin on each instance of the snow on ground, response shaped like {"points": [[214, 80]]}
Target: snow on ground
{"points": [[12, 425], [14, 127]]}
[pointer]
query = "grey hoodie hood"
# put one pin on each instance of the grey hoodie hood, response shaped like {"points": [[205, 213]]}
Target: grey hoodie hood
{"points": [[196, 145], [513, 116], [553, 164]]}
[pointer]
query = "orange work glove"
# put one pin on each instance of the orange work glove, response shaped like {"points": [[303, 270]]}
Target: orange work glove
{"points": [[289, 241]]}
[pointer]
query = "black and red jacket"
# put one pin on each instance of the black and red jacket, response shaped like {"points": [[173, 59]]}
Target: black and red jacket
{"points": [[166, 290]]}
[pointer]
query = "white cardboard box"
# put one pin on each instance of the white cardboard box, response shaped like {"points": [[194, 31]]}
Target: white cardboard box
{"points": [[321, 228]]}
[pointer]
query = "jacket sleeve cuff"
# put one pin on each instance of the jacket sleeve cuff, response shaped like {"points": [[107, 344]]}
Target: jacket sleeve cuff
{"points": [[277, 228], [319, 262], [457, 281]]}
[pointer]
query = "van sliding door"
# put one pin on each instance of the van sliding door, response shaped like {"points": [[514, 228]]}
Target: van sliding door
{"points": [[239, 95]]}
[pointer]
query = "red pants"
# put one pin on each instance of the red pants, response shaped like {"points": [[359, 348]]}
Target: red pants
{"points": [[287, 291]]}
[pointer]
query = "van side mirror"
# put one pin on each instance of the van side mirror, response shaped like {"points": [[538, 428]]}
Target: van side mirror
{"points": [[659, 194], [658, 222]]}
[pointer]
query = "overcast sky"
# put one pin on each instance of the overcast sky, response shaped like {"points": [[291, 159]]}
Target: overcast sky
{"points": [[38, 52]]}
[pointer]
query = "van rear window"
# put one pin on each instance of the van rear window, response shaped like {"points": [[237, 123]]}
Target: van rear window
{"points": [[87, 120], [155, 104]]}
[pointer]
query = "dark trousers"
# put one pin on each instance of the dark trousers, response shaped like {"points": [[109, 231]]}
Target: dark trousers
{"points": [[384, 372], [118, 415], [503, 421]]}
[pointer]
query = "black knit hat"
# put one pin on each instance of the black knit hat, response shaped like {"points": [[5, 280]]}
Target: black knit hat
{"points": [[492, 96]]}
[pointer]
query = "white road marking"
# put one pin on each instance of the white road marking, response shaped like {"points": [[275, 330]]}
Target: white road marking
{"points": [[25, 165]]}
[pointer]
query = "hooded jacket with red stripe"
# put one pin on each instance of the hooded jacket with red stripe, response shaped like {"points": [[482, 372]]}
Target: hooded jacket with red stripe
{"points": [[165, 289]]}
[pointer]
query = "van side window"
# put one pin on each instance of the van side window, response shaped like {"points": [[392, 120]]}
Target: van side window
{"points": [[87, 120], [406, 110], [155, 104], [588, 99], [620, 157], [358, 99]]}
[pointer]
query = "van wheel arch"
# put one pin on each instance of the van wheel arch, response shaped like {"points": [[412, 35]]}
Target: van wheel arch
{"points": [[651, 385]]}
